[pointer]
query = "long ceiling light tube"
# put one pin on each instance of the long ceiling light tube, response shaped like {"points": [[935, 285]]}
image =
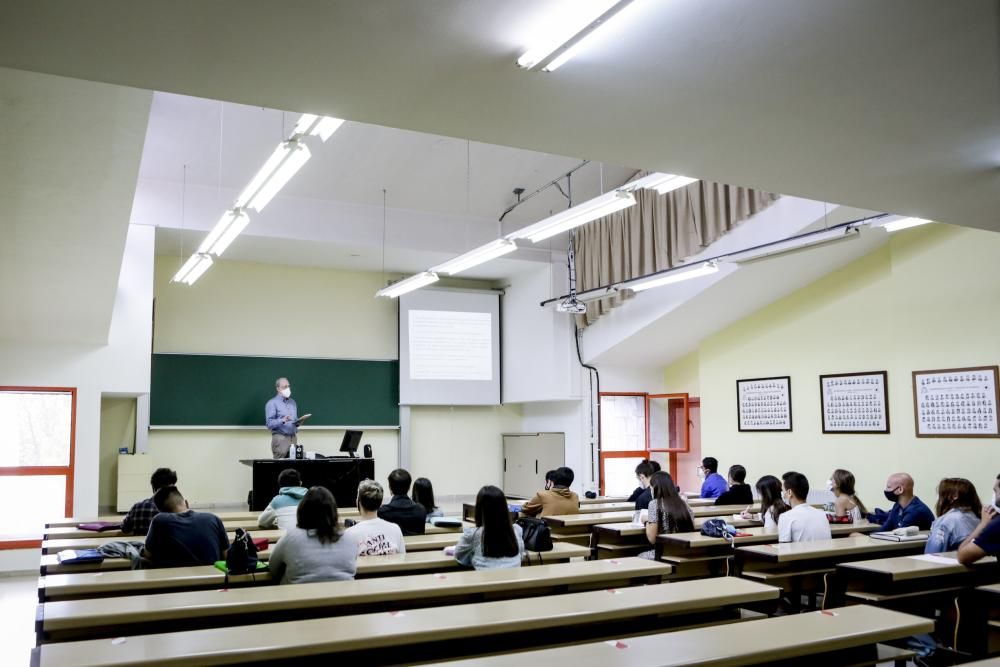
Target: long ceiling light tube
{"points": [[284, 163], [794, 244], [225, 231], [904, 223], [566, 37], [574, 217], [673, 276], [662, 183], [476, 256], [410, 284], [192, 269]]}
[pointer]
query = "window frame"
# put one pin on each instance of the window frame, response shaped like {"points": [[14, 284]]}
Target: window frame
{"points": [[67, 471]]}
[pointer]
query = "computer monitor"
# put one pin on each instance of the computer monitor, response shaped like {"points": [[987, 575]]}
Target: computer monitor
{"points": [[350, 442]]}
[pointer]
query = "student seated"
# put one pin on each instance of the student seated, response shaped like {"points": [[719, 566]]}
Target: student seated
{"points": [[495, 542], [714, 485], [907, 509], [802, 523], [958, 509], [374, 536], [668, 512], [643, 494], [772, 505], [985, 539], [557, 500], [847, 503], [141, 514], [178, 536], [280, 512], [739, 492], [402, 511], [423, 495], [314, 549]]}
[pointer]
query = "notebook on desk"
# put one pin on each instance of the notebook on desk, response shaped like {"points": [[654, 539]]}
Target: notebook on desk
{"points": [[900, 537], [79, 556]]}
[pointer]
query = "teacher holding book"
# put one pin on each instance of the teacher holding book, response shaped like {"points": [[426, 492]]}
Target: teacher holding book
{"points": [[281, 417]]}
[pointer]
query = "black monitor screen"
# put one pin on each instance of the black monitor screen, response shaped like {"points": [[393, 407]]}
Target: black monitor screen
{"points": [[351, 441]]}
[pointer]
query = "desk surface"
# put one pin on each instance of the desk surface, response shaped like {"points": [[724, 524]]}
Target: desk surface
{"points": [[901, 568], [325, 635], [628, 529], [593, 501], [758, 642], [758, 535], [93, 542], [105, 612], [842, 546]]}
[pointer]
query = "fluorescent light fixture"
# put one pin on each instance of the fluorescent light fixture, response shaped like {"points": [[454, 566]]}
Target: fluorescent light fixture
{"points": [[793, 244], [410, 284], [284, 162], [326, 127], [904, 223], [477, 256], [676, 276], [226, 229], [663, 183], [576, 216], [192, 269], [306, 122], [568, 32]]}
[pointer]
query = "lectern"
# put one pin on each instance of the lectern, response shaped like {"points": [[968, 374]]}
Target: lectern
{"points": [[341, 475]]}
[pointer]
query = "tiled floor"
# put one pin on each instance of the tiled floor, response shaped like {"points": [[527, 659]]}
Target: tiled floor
{"points": [[18, 599]]}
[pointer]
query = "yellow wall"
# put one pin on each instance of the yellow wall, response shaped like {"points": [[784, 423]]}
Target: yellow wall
{"points": [[117, 430], [275, 310], [927, 299]]}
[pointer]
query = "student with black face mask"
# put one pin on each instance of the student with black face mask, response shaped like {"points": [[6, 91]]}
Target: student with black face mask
{"points": [[907, 509]]}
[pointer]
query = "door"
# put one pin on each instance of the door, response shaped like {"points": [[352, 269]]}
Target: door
{"points": [[624, 428], [684, 465]]}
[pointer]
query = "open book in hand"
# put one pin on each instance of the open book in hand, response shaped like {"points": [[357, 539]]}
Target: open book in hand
{"points": [[298, 422]]}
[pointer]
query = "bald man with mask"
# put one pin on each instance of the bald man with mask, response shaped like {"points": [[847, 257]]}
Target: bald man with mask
{"points": [[907, 509], [281, 415]]}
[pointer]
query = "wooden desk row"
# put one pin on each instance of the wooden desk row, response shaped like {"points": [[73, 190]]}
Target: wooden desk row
{"points": [[105, 617], [843, 636], [123, 581]]}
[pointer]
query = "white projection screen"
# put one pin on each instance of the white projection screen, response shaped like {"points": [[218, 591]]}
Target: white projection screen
{"points": [[449, 347]]}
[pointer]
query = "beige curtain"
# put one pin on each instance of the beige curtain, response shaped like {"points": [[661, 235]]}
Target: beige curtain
{"points": [[659, 232]]}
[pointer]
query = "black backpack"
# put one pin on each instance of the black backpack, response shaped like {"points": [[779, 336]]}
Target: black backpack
{"points": [[715, 528], [536, 534], [242, 556]]}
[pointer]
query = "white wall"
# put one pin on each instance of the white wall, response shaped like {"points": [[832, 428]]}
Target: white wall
{"points": [[120, 367]]}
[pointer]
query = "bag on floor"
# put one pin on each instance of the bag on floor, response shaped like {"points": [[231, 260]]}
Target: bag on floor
{"points": [[536, 534]]}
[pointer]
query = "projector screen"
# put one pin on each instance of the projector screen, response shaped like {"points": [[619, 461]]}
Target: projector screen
{"points": [[449, 347]]}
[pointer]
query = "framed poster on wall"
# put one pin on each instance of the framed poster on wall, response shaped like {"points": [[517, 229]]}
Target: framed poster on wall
{"points": [[764, 404], [956, 403], [855, 402]]}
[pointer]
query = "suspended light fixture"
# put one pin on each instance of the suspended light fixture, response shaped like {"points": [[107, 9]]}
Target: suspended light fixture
{"points": [[673, 276], [410, 284], [576, 216], [477, 256], [794, 244], [284, 163], [662, 183], [192, 269], [225, 232], [904, 223], [567, 34]]}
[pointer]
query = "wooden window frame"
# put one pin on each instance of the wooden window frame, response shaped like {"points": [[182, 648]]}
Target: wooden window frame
{"points": [[39, 471]]}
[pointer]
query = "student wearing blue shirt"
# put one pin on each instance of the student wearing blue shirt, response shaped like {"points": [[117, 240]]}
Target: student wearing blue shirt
{"points": [[907, 509], [985, 539], [715, 484]]}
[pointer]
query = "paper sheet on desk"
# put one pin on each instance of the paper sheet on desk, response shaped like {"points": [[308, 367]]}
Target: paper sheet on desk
{"points": [[935, 558]]}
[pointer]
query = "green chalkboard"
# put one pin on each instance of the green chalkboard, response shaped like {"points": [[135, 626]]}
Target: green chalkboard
{"points": [[218, 390]]}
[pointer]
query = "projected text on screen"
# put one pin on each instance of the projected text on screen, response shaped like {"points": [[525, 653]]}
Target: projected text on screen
{"points": [[450, 345]]}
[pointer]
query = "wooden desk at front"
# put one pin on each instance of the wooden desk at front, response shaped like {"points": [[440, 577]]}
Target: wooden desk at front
{"points": [[105, 617], [840, 637], [900, 578], [426, 633]]}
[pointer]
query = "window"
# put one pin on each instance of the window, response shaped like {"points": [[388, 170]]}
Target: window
{"points": [[36, 460], [636, 426]]}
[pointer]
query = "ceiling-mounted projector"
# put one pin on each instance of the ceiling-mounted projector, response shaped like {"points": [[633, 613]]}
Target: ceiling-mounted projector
{"points": [[571, 305]]}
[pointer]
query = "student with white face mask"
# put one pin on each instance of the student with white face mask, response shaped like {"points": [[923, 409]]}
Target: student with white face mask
{"points": [[281, 416], [802, 523]]}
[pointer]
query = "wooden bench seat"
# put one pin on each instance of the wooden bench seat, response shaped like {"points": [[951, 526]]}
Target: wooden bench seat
{"points": [[142, 582], [847, 636], [424, 633], [103, 617]]}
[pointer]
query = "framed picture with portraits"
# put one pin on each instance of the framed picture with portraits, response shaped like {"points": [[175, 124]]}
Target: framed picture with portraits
{"points": [[956, 403], [764, 404], [855, 402]]}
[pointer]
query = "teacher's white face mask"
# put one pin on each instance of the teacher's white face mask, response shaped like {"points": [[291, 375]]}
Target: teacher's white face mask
{"points": [[286, 392]]}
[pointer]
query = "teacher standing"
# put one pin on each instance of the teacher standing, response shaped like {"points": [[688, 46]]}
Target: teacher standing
{"points": [[281, 415]]}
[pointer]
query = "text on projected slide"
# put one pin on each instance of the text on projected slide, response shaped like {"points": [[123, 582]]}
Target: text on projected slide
{"points": [[449, 345]]}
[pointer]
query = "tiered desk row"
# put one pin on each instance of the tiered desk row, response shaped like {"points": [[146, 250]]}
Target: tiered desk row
{"points": [[591, 603]]}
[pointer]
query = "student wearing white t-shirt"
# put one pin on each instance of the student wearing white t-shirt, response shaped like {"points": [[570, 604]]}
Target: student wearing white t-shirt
{"points": [[802, 523], [374, 536]]}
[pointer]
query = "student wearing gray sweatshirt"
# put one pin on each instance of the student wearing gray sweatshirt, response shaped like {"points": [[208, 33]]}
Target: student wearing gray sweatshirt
{"points": [[314, 550]]}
